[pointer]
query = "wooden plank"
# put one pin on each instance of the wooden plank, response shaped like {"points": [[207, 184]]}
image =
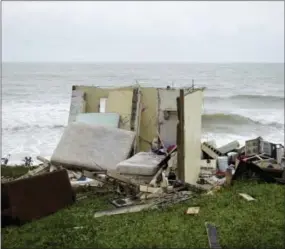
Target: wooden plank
{"points": [[123, 210], [180, 136], [138, 121], [149, 189], [161, 168]]}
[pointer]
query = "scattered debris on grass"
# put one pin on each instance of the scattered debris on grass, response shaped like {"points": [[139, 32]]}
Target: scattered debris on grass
{"points": [[247, 197], [98, 160], [192, 210]]}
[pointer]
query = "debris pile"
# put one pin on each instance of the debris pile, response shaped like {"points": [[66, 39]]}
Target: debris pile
{"points": [[97, 154]]}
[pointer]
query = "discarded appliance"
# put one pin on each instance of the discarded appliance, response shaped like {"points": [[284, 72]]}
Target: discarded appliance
{"points": [[35, 197]]}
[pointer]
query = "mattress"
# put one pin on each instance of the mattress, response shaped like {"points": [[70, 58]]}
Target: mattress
{"points": [[142, 163], [91, 147]]}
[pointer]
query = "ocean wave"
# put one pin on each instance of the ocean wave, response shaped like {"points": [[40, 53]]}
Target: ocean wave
{"points": [[29, 127], [250, 97], [235, 119]]}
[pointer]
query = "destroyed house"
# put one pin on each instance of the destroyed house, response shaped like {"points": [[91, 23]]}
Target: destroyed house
{"points": [[148, 112]]}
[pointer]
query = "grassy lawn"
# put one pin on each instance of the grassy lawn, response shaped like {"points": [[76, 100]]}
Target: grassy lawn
{"points": [[240, 224], [15, 171]]}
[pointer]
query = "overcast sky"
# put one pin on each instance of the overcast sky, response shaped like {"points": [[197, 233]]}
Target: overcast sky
{"points": [[143, 31]]}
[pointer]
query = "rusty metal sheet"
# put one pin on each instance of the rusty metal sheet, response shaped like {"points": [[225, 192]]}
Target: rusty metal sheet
{"points": [[35, 197]]}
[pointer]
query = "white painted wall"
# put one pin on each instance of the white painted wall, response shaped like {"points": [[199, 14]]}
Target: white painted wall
{"points": [[193, 103], [167, 128]]}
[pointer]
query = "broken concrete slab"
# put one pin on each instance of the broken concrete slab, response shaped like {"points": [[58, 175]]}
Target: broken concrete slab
{"points": [[208, 164], [211, 151], [77, 104], [90, 147], [229, 147]]}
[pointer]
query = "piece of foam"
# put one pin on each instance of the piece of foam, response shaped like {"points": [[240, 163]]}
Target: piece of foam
{"points": [[92, 147], [142, 163]]}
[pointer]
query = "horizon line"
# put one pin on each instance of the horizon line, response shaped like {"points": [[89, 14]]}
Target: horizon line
{"points": [[151, 62]]}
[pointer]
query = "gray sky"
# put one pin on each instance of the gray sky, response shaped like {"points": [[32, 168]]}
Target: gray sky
{"points": [[143, 31]]}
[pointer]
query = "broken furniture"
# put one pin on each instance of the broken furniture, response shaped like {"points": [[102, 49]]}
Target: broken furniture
{"points": [[35, 197]]}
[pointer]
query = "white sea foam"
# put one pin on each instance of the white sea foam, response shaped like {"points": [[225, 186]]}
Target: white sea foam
{"points": [[36, 100]]}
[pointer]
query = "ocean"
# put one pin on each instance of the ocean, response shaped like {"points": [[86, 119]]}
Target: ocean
{"points": [[242, 101]]}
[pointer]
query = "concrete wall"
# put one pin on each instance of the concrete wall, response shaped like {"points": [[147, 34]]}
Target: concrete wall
{"points": [[149, 104], [167, 106], [148, 124], [120, 101], [92, 96], [153, 102], [192, 135]]}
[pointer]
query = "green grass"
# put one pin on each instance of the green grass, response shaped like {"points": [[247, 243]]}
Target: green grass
{"points": [[240, 224], [14, 171]]}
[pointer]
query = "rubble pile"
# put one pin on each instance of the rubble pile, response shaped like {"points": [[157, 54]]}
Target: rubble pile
{"points": [[104, 158]]}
